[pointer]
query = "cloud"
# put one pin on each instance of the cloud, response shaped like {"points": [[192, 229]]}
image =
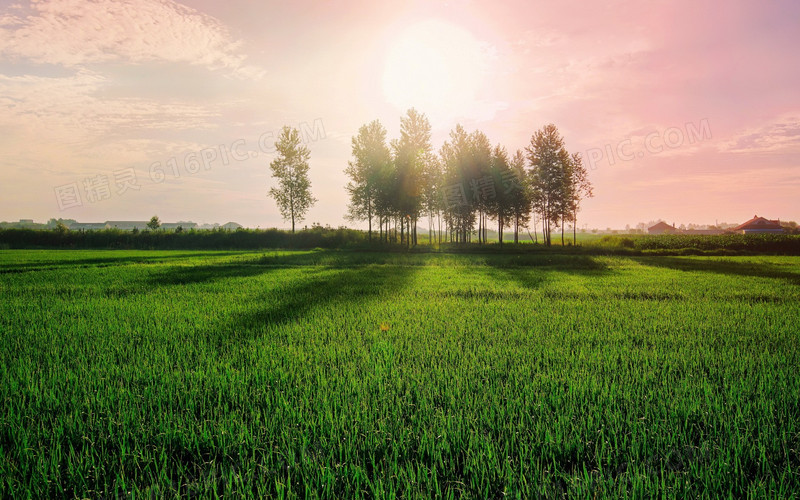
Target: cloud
{"points": [[71, 109], [780, 134], [74, 33]]}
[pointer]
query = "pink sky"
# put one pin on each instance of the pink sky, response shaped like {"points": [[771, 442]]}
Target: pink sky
{"points": [[698, 102]]}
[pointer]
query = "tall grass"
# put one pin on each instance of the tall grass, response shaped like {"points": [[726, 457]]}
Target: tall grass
{"points": [[340, 374]]}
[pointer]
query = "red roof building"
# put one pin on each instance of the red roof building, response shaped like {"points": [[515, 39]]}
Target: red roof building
{"points": [[662, 228], [759, 225]]}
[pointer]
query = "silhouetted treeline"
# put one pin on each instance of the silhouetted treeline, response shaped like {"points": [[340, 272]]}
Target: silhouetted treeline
{"points": [[218, 239], [465, 186], [343, 238]]}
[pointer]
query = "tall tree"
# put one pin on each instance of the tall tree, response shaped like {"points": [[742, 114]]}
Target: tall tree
{"points": [[520, 193], [458, 172], [482, 184], [580, 188], [290, 167], [550, 171], [432, 193], [501, 206], [411, 151], [371, 157]]}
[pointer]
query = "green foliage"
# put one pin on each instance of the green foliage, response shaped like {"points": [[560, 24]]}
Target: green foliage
{"points": [[559, 180], [755, 243], [290, 167], [371, 159], [154, 223], [617, 241], [323, 237], [341, 375]]}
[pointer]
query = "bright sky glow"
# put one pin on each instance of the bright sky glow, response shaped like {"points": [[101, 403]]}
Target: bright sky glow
{"points": [[688, 111], [436, 67]]}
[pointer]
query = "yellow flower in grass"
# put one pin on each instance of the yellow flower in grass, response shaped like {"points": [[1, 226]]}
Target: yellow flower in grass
{"points": [[384, 327]]}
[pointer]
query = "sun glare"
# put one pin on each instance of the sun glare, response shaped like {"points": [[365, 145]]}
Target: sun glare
{"points": [[435, 67]]}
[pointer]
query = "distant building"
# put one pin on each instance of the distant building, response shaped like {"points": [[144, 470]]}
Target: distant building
{"points": [[127, 225], [87, 226], [171, 226], [662, 228], [122, 225], [759, 225]]}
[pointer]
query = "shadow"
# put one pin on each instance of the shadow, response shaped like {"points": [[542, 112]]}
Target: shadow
{"points": [[254, 265], [532, 271], [55, 264], [322, 289], [324, 278], [726, 267]]}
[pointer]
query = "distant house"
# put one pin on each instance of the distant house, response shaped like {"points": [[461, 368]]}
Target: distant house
{"points": [[662, 228], [759, 225], [87, 226], [127, 225], [231, 226], [171, 226]]}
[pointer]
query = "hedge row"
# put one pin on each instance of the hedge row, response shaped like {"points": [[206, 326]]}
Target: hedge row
{"points": [[211, 240]]}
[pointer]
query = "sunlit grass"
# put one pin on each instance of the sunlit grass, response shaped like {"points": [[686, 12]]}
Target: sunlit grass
{"points": [[345, 374]]}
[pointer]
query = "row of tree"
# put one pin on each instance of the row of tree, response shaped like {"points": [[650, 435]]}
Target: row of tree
{"points": [[467, 184]]}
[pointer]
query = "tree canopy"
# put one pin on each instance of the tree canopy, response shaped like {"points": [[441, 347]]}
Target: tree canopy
{"points": [[467, 184], [290, 168]]}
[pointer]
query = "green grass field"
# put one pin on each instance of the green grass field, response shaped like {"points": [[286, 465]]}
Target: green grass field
{"points": [[339, 375]]}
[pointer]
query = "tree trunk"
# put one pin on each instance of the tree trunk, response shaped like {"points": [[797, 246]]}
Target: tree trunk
{"points": [[291, 207], [480, 232], [439, 225], [574, 234], [500, 230], [516, 229]]}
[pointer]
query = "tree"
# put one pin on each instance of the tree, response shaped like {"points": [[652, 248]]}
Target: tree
{"points": [[521, 200], [550, 178], [459, 173], [290, 167], [154, 223], [501, 206], [411, 152], [432, 193], [483, 187], [371, 156], [580, 188]]}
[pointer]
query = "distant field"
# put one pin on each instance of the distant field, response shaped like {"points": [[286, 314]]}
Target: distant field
{"points": [[345, 374]]}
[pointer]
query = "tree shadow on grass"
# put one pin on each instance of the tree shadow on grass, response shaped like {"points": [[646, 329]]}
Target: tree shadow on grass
{"points": [[252, 266], [111, 260], [325, 278], [322, 290], [726, 267], [532, 271]]}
